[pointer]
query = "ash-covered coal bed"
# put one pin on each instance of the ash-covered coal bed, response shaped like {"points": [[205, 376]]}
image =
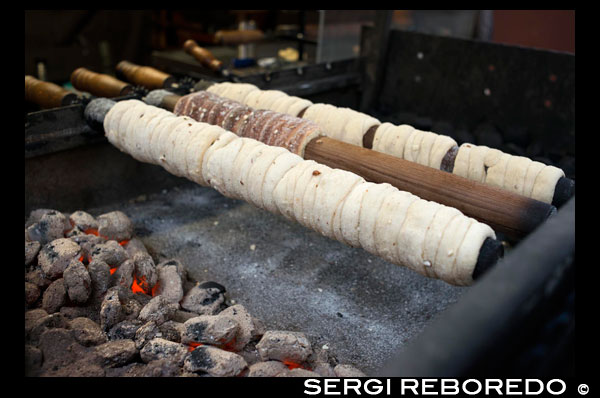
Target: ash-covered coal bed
{"points": [[187, 282]]}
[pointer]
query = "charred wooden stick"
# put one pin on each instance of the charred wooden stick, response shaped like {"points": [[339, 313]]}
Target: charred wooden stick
{"points": [[484, 250], [146, 76], [47, 95], [512, 214], [99, 84]]}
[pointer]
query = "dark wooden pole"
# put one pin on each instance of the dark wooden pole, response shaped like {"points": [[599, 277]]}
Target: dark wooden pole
{"points": [[512, 214]]}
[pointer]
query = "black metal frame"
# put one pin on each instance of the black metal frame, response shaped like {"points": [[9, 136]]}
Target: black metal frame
{"points": [[526, 301]]}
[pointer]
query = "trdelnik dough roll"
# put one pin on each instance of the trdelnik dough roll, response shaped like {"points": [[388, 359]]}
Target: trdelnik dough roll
{"points": [[429, 238], [479, 163]]}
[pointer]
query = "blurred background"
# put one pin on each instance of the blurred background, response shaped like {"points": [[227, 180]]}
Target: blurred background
{"points": [[59, 41]]}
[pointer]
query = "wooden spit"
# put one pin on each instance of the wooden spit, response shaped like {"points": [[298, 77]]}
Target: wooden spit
{"points": [[47, 95]]}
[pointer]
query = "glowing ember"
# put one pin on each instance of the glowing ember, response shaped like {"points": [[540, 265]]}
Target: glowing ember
{"points": [[123, 242], [136, 288], [291, 364], [92, 231], [112, 270], [192, 346]]}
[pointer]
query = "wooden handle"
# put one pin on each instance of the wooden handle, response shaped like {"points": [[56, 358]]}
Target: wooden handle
{"points": [[204, 56], [47, 95], [144, 75], [512, 214], [99, 84], [234, 37]]}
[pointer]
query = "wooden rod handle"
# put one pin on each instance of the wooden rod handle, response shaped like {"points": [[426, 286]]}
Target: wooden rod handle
{"points": [[204, 56], [47, 95], [145, 76], [99, 84], [512, 214]]}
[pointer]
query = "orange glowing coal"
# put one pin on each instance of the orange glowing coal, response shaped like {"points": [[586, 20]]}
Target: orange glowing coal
{"points": [[142, 286], [192, 346], [94, 231], [113, 270], [292, 365]]}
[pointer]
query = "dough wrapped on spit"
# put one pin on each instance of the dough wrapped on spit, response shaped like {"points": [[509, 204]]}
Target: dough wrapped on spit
{"points": [[270, 127], [516, 174], [432, 239]]}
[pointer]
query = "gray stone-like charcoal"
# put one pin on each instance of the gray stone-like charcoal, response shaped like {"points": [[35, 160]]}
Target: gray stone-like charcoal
{"points": [[109, 252], [161, 368], [115, 225], [125, 329], [52, 321], [86, 331], [298, 372], [111, 312], [145, 333], [55, 296], [170, 285], [32, 293], [159, 348], [116, 353], [33, 360], [100, 277], [172, 331], [32, 249], [51, 225], [83, 220], [37, 277], [347, 371], [266, 369], [56, 256], [145, 273], [284, 346], [77, 282], [31, 318], [123, 276], [214, 361], [210, 329], [204, 301], [158, 310], [59, 348], [249, 328], [87, 242]]}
